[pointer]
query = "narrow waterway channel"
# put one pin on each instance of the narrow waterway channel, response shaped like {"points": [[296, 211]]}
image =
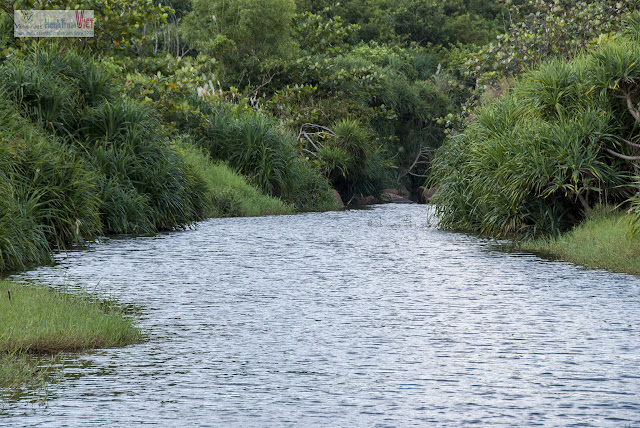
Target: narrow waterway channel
{"points": [[355, 318]]}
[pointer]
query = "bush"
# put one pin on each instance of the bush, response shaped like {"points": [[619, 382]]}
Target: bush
{"points": [[257, 146], [354, 164], [142, 173], [537, 160], [47, 195], [143, 184]]}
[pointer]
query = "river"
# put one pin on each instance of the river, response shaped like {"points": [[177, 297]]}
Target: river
{"points": [[353, 318]]}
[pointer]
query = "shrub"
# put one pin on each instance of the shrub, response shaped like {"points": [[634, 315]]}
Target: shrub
{"points": [[537, 160], [78, 160], [257, 146], [348, 156], [47, 195]]}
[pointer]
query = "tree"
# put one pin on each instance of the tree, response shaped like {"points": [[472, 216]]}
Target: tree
{"points": [[120, 24], [240, 34]]}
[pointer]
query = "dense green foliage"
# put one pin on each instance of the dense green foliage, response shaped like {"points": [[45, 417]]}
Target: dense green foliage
{"points": [[539, 158], [141, 182], [48, 192], [227, 192], [417, 21], [77, 160], [535, 31], [256, 145], [120, 25], [310, 71], [149, 127], [240, 34]]}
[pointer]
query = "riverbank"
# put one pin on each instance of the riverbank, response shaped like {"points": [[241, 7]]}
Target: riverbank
{"points": [[105, 164], [36, 320], [603, 241]]}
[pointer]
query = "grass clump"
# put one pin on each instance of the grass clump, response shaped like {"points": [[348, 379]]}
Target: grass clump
{"points": [[36, 322], [37, 319], [605, 240]]}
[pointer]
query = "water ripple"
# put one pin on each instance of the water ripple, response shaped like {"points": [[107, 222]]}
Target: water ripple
{"points": [[356, 318]]}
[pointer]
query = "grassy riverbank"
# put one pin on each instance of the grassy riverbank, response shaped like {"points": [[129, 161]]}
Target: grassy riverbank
{"points": [[602, 241], [38, 320], [105, 164]]}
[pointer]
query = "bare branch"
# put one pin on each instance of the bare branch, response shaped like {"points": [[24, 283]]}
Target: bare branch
{"points": [[313, 125], [421, 152], [632, 108], [621, 156], [636, 145], [265, 83], [306, 136]]}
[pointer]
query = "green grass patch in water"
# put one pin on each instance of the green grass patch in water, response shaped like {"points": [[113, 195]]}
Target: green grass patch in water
{"points": [[36, 320], [21, 369], [602, 241]]}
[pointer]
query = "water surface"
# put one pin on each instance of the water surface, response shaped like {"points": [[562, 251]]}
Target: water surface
{"points": [[355, 318]]}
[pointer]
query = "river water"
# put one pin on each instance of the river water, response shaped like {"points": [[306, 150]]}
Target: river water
{"points": [[354, 318]]}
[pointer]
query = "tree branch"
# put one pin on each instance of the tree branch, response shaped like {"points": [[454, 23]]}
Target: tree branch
{"points": [[632, 108], [421, 152], [621, 156], [274, 74], [636, 145]]}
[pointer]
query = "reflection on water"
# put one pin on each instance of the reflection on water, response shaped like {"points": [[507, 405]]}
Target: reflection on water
{"points": [[356, 318]]}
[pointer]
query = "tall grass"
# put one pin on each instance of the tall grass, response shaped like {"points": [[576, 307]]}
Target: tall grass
{"points": [[19, 369], [78, 160], [258, 147], [227, 192], [146, 186], [604, 240]]}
